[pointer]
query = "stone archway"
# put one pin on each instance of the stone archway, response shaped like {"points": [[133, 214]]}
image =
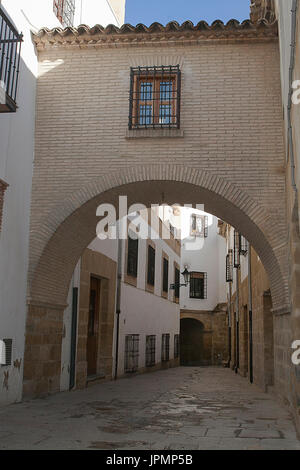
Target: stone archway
{"points": [[59, 239], [195, 346]]}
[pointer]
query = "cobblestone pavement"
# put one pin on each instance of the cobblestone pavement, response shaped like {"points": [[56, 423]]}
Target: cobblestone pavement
{"points": [[183, 408]]}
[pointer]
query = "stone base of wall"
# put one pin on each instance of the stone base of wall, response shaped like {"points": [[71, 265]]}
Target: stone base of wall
{"points": [[159, 366]]}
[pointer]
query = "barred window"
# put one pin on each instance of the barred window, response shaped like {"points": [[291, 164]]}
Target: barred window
{"points": [[199, 225], [165, 347], [165, 275], [229, 267], [154, 97], [132, 256], [237, 249], [150, 350], [243, 245], [176, 346], [198, 285], [131, 353], [151, 266], [65, 11], [177, 283]]}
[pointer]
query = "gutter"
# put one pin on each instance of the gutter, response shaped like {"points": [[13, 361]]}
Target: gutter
{"points": [[289, 107]]}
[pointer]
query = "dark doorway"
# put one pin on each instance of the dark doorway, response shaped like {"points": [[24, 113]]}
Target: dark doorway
{"points": [[93, 327], [195, 345]]}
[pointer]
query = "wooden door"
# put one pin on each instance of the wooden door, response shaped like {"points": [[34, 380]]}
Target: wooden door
{"points": [[93, 327]]}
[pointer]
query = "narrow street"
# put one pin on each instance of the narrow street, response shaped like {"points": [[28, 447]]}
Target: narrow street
{"points": [[176, 409]]}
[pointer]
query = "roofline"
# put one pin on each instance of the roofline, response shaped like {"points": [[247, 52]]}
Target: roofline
{"points": [[141, 35]]}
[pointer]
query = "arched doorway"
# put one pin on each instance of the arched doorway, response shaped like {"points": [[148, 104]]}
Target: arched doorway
{"points": [[195, 345]]}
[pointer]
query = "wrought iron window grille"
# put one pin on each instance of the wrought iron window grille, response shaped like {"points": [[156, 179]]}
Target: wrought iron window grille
{"points": [[229, 266], [236, 250], [64, 10], [165, 347], [150, 350], [10, 55], [131, 353], [199, 225], [243, 246], [154, 97], [176, 346], [165, 275], [198, 285]]}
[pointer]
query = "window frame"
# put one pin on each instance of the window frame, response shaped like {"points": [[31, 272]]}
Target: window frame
{"points": [[150, 350], [194, 232], [155, 75], [151, 257], [197, 294], [165, 347]]}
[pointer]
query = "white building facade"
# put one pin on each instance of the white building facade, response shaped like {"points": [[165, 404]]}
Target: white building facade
{"points": [[17, 159]]}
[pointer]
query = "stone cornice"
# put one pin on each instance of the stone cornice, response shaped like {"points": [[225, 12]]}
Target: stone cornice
{"points": [[156, 34]]}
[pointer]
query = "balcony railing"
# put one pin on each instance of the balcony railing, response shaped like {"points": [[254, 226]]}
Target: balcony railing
{"points": [[10, 49]]}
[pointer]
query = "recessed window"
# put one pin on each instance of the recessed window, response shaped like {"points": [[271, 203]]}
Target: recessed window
{"points": [[165, 275], [176, 346], [165, 347], [177, 284], [131, 353], [151, 266], [65, 11], [150, 350], [132, 257], [199, 225], [154, 97], [198, 285]]}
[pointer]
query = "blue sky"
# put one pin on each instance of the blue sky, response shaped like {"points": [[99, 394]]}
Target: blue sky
{"points": [[163, 11]]}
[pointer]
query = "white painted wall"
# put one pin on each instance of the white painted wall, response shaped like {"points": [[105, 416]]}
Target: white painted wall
{"points": [[16, 160], [203, 255], [91, 12]]}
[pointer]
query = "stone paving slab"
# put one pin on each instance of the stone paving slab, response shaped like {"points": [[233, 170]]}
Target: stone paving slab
{"points": [[176, 409]]}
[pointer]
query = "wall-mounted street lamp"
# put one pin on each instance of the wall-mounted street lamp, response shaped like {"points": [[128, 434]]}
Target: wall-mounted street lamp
{"points": [[186, 276]]}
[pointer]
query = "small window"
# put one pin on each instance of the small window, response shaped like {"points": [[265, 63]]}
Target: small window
{"points": [[165, 275], [151, 266], [176, 346], [64, 10], [229, 267], [198, 285], [237, 249], [132, 256], [6, 352], [165, 347], [177, 283], [154, 97], [131, 353], [199, 225], [150, 350]]}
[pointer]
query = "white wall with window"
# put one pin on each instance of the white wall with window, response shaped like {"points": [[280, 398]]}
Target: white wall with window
{"points": [[16, 162]]}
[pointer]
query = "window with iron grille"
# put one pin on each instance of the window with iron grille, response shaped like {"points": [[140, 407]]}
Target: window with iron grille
{"points": [[151, 266], [176, 346], [229, 267], [65, 11], [154, 97], [198, 285], [165, 347], [10, 54], [6, 352], [131, 353], [243, 246], [150, 350], [165, 275], [132, 255], [177, 283], [199, 225], [236, 250]]}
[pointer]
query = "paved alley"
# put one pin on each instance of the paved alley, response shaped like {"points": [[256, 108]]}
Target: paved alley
{"points": [[176, 409]]}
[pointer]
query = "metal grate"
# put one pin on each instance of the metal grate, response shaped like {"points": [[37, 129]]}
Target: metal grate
{"points": [[10, 50], [236, 251], [229, 267], [198, 285], [65, 11], [154, 97], [176, 346], [177, 283], [150, 350], [6, 353], [165, 347], [151, 266], [131, 353]]}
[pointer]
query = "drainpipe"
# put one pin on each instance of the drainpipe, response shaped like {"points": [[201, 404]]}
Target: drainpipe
{"points": [[250, 316], [289, 107], [118, 297], [237, 344], [229, 325]]}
